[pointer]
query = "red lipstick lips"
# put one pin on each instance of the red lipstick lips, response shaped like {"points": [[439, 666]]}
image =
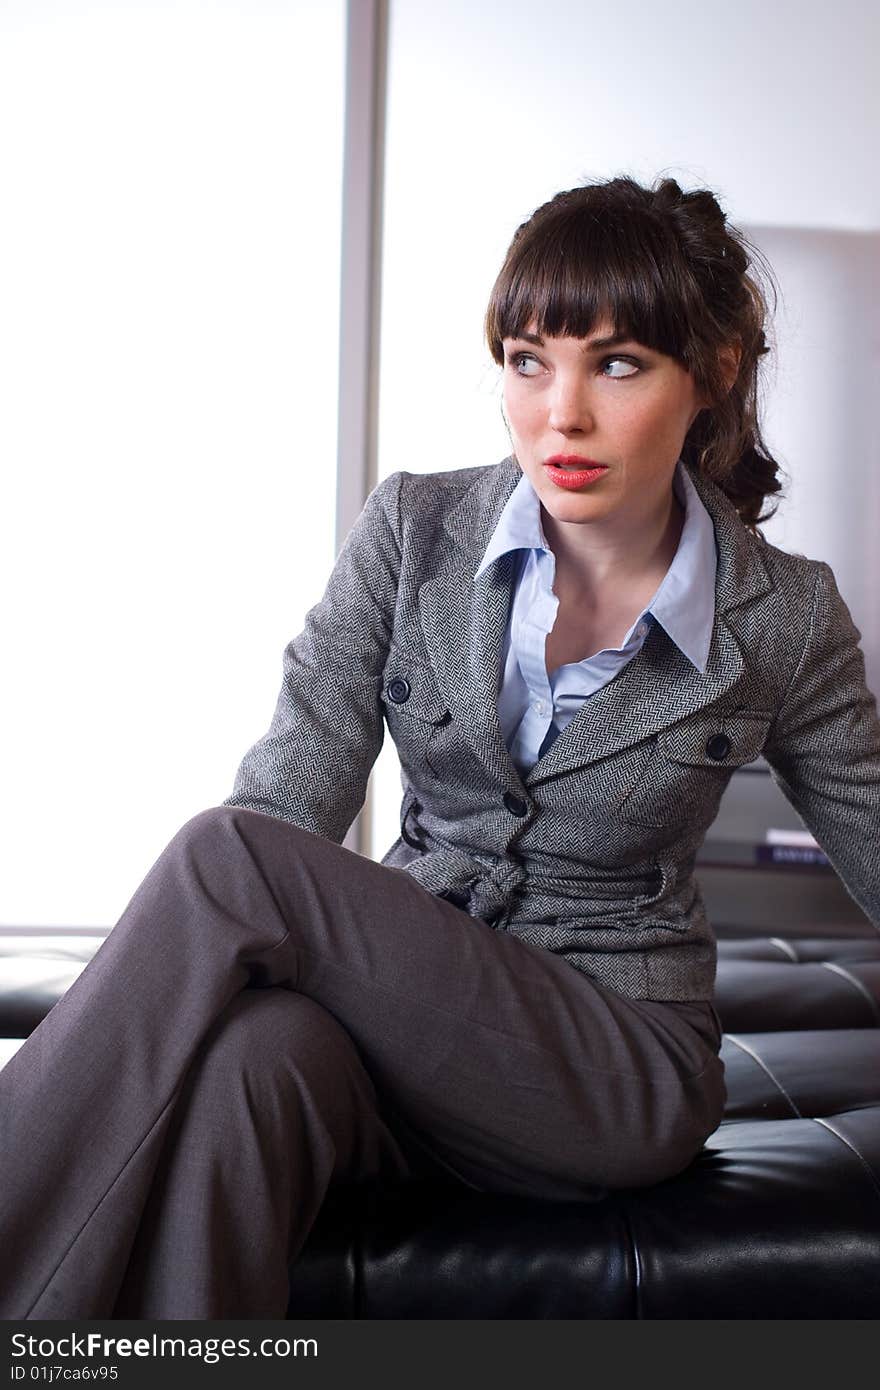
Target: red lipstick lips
{"points": [[572, 471]]}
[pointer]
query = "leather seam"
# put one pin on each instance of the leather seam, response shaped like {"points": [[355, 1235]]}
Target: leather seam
{"points": [[638, 1280], [826, 1124], [857, 984], [786, 948], [358, 1283], [750, 1052]]}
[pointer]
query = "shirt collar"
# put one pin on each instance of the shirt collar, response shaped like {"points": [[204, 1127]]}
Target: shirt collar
{"points": [[519, 526], [684, 604]]}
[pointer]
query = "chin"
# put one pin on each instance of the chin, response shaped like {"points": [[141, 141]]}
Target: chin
{"points": [[575, 508]]}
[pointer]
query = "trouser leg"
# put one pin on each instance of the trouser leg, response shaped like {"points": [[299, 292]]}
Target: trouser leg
{"points": [[525, 1075], [275, 1107], [522, 1072]]}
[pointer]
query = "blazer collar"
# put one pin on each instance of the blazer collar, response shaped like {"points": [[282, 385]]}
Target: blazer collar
{"points": [[464, 624]]}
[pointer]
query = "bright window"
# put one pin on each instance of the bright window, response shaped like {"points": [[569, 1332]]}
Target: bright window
{"points": [[169, 267]]}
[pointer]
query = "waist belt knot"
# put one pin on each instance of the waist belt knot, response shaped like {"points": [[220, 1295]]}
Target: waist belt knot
{"points": [[486, 889]]}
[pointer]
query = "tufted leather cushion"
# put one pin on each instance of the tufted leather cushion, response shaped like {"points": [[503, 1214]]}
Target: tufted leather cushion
{"points": [[36, 967], [791, 983], [782, 1076]]}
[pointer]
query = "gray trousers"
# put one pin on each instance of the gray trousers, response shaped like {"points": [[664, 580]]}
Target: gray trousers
{"points": [[273, 1014]]}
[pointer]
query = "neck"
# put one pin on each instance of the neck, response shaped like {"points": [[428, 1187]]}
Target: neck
{"points": [[592, 561]]}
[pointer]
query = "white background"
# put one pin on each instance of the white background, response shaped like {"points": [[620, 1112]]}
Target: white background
{"points": [[169, 261]]}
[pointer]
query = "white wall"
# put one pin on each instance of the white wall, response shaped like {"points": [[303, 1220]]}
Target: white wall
{"points": [[169, 260], [494, 107], [822, 410]]}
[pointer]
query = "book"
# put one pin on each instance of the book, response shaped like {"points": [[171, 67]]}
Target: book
{"points": [[791, 849]]}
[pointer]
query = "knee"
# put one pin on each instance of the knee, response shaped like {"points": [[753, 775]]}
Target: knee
{"points": [[237, 827], [214, 839], [206, 826]]}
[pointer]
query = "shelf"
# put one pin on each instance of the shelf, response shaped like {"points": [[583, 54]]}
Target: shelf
{"points": [[746, 854]]}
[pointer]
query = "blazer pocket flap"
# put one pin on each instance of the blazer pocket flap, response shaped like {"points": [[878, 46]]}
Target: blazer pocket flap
{"points": [[719, 740], [409, 688]]}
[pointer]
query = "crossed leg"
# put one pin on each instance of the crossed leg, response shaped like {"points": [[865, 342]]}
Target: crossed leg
{"points": [[524, 1075]]}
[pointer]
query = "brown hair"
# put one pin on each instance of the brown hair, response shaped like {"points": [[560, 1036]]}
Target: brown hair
{"points": [[664, 267]]}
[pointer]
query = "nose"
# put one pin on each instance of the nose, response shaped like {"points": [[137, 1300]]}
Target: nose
{"points": [[570, 409]]}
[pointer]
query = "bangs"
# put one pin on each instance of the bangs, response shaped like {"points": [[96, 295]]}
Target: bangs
{"points": [[580, 271]]}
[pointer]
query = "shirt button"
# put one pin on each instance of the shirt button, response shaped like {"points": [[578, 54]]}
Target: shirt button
{"points": [[515, 804], [641, 629], [539, 707]]}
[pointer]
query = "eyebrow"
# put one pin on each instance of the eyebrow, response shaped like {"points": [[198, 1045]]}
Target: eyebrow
{"points": [[594, 344]]}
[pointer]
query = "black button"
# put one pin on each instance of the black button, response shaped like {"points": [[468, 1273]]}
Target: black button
{"points": [[399, 690], [718, 747], [515, 804]]}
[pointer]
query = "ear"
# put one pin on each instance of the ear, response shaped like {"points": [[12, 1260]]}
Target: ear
{"points": [[729, 358]]}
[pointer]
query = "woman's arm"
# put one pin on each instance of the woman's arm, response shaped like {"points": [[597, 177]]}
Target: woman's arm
{"points": [[824, 746], [312, 766]]}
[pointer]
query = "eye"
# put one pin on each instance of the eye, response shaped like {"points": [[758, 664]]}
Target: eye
{"points": [[524, 364], [619, 367]]}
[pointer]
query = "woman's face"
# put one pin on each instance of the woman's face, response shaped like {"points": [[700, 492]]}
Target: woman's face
{"points": [[597, 425]]}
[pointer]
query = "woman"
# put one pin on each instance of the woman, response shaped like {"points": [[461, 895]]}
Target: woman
{"points": [[572, 650]]}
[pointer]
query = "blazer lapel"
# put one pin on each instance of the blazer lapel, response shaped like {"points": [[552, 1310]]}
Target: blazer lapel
{"points": [[464, 620], [654, 690]]}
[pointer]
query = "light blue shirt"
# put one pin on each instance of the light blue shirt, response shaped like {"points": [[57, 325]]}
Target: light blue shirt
{"points": [[534, 709]]}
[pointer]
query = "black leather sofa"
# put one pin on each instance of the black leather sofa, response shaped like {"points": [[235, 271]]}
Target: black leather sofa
{"points": [[779, 1217]]}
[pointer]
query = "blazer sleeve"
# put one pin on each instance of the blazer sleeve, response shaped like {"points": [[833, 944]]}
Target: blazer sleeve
{"points": [[312, 765], [824, 746]]}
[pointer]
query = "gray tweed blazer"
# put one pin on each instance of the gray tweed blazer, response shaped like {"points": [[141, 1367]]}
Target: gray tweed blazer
{"points": [[591, 854]]}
